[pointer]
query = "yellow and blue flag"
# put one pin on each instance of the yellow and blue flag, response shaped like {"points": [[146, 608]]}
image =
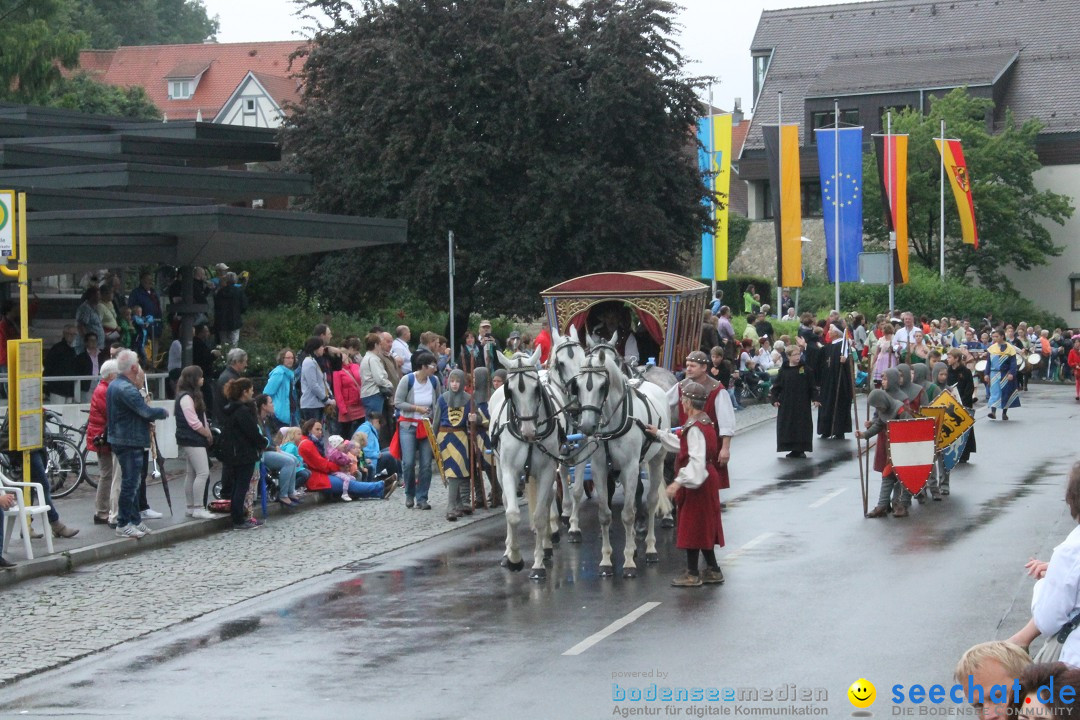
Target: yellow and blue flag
{"points": [[714, 160], [841, 190]]}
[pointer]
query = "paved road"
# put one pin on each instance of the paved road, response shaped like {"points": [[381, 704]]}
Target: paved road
{"points": [[816, 596]]}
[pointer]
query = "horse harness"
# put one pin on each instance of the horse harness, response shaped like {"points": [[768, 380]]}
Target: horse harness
{"points": [[514, 419], [627, 420]]}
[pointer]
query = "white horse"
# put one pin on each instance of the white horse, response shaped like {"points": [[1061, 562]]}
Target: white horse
{"points": [[524, 433], [615, 415], [567, 355]]}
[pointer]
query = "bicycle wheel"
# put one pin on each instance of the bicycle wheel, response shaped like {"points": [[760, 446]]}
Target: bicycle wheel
{"points": [[87, 477], [64, 466]]}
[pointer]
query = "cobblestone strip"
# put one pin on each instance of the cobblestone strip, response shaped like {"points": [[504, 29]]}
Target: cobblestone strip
{"points": [[66, 617]]}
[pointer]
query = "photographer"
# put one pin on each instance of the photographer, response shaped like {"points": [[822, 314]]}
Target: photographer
{"points": [[489, 346]]}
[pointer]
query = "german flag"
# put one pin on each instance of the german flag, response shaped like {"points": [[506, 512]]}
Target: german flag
{"points": [[892, 169], [782, 154], [955, 167]]}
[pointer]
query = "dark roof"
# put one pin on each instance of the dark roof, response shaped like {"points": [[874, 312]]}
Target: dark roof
{"points": [[926, 70], [808, 44]]}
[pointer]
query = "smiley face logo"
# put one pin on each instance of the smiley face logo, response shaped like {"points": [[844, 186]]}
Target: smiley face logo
{"points": [[862, 693]]}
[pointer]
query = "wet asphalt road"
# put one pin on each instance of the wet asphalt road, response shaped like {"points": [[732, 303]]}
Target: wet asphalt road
{"points": [[815, 595]]}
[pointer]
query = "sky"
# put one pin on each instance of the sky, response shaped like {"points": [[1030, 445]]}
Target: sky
{"points": [[715, 35]]}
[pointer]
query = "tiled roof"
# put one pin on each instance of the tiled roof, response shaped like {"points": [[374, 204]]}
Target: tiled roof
{"points": [[228, 64], [807, 41]]}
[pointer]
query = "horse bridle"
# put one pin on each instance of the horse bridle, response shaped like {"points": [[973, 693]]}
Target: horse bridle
{"points": [[545, 427]]}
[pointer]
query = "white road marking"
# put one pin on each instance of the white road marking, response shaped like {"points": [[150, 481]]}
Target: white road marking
{"points": [[827, 498], [734, 554], [611, 629]]}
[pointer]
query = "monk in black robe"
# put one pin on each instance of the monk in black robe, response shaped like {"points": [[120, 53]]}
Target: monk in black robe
{"points": [[793, 390], [834, 415]]}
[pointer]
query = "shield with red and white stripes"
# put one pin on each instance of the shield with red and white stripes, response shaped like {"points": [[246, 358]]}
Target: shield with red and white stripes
{"points": [[911, 450]]}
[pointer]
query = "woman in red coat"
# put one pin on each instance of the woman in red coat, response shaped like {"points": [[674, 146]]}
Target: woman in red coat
{"points": [[696, 489], [346, 378], [313, 454], [95, 431]]}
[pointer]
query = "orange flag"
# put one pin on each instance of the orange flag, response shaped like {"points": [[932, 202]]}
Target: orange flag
{"points": [[955, 167]]}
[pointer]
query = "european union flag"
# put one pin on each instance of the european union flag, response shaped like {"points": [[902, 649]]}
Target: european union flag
{"points": [[842, 187]]}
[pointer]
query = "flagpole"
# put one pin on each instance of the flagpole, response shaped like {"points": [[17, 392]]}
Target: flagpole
{"points": [[941, 232], [780, 194], [836, 202], [889, 160], [712, 186]]}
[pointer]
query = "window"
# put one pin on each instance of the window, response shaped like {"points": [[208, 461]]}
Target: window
{"points": [[828, 120], [1074, 285], [180, 89], [761, 67], [810, 199], [249, 106]]}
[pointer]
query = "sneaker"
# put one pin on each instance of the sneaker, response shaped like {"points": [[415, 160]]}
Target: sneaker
{"points": [[712, 576], [128, 531], [687, 580], [203, 514], [151, 514], [257, 521], [345, 497], [6, 564], [390, 484], [141, 527], [247, 525], [190, 512]]}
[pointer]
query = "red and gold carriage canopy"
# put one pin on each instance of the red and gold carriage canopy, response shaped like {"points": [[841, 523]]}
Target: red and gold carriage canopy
{"points": [[668, 306]]}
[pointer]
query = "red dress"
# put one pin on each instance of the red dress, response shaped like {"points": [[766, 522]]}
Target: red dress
{"points": [[699, 523], [710, 410]]}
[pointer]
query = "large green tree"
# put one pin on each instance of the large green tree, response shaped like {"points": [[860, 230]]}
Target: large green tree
{"points": [[111, 23], [554, 138], [81, 92], [32, 49], [1010, 211]]}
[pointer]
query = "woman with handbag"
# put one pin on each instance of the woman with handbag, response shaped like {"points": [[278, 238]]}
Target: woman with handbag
{"points": [[193, 437]]}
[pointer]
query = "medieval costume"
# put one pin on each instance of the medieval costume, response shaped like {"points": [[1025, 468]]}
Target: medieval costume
{"points": [[453, 435], [834, 415], [1001, 379], [697, 489], [482, 446], [717, 407], [960, 376], [893, 497], [913, 393], [794, 388]]}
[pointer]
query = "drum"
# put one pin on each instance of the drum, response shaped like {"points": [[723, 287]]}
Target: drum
{"points": [[980, 367], [1033, 360], [1021, 363]]}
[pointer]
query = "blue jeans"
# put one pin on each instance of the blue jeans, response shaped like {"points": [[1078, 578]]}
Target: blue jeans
{"points": [[131, 468], [285, 464], [411, 450], [373, 405], [37, 475], [357, 489]]}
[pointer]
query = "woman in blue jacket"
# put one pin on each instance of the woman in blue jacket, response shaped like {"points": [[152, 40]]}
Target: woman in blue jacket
{"points": [[281, 387]]}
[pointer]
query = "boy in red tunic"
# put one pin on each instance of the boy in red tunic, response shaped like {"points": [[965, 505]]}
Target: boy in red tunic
{"points": [[696, 488]]}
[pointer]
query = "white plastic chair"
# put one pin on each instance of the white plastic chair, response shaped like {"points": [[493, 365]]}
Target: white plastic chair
{"points": [[23, 513]]}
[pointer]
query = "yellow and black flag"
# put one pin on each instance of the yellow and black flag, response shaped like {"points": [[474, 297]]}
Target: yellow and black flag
{"points": [[892, 170], [782, 154]]}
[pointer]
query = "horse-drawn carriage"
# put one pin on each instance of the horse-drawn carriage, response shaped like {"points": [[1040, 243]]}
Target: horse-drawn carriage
{"points": [[666, 309]]}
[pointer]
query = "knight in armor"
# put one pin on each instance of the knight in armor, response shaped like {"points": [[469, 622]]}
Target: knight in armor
{"points": [[455, 406], [717, 407], [893, 497], [696, 488], [483, 464]]}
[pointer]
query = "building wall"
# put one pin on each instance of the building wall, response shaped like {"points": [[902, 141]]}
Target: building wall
{"points": [[266, 114], [1048, 285]]}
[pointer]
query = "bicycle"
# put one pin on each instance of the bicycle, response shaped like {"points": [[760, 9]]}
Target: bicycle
{"points": [[66, 451], [65, 466]]}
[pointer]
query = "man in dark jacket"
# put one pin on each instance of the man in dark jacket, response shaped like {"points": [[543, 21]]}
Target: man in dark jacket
{"points": [[236, 363], [230, 304], [60, 361]]}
